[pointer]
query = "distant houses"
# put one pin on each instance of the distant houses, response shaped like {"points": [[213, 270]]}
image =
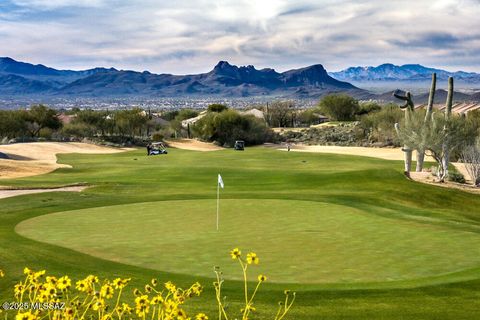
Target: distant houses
{"points": [[463, 107]]}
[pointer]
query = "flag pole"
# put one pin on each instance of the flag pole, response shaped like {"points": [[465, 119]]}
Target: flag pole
{"points": [[218, 201]]}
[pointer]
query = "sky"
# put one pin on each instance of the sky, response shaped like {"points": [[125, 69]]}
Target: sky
{"points": [[191, 36]]}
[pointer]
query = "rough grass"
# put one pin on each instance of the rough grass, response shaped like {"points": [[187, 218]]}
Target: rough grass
{"points": [[376, 188]]}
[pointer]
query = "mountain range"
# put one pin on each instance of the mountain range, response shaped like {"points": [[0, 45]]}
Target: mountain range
{"points": [[224, 80], [408, 73]]}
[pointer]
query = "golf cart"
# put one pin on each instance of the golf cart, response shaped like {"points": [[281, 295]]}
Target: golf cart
{"points": [[156, 148], [239, 145]]}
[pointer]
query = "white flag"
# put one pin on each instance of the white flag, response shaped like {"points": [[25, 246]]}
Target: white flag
{"points": [[220, 181]]}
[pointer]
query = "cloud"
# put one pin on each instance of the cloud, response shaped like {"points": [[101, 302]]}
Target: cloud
{"points": [[189, 36]]}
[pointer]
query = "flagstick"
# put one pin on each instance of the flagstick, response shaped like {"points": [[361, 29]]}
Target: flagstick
{"points": [[218, 200]]}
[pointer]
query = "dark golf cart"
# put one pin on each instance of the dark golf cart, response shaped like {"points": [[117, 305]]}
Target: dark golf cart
{"points": [[156, 148], [239, 145]]}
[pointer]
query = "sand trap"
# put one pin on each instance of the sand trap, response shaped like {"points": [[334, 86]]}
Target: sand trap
{"points": [[30, 159], [5, 193], [382, 153], [192, 144]]}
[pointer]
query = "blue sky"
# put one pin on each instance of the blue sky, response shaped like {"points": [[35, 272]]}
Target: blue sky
{"points": [[188, 36]]}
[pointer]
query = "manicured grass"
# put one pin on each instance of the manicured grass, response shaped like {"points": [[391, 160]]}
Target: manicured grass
{"points": [[423, 236], [298, 241]]}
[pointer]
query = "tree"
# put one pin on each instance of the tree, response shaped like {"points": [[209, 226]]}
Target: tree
{"points": [[216, 107], [229, 125], [39, 117], [131, 122], [280, 113], [471, 158], [340, 107], [440, 137]]}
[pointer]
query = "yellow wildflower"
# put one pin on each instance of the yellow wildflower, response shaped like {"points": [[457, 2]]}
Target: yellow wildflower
{"points": [[120, 283], [157, 300], [235, 253], [126, 308], [201, 316], [252, 258], [142, 305], [82, 285], [262, 278], [181, 315], [51, 280], [106, 291], [170, 287], [98, 305], [2, 274], [26, 316], [64, 283], [68, 313], [19, 289], [154, 282]]}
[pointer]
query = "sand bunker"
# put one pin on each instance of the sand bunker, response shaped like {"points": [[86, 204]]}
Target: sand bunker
{"points": [[192, 144], [30, 159], [382, 153], [7, 193]]}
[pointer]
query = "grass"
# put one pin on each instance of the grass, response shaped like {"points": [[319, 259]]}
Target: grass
{"points": [[388, 248]]}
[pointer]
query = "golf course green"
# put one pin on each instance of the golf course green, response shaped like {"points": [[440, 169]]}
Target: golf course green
{"points": [[344, 244], [352, 235]]}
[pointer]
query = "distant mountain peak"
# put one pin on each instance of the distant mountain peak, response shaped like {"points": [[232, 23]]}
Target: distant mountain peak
{"points": [[407, 72]]}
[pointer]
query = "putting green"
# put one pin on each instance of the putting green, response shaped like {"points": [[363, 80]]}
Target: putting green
{"points": [[297, 241]]}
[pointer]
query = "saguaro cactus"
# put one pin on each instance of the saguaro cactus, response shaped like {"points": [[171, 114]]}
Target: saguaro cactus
{"points": [[408, 107], [448, 113], [428, 119]]}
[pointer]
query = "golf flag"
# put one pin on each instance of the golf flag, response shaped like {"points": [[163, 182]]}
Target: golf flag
{"points": [[219, 184], [220, 181]]}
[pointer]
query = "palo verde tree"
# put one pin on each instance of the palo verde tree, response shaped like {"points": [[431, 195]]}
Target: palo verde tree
{"points": [[409, 108], [40, 117], [339, 107], [438, 135]]}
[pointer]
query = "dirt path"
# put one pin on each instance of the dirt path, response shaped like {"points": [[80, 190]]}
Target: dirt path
{"points": [[30, 159], [192, 144], [5, 193]]}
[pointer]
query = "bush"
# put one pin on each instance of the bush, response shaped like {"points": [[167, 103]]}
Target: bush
{"points": [[456, 176], [368, 107], [216, 107], [379, 126], [339, 107], [228, 126]]}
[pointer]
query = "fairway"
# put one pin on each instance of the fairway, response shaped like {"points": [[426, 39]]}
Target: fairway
{"points": [[351, 235], [299, 241]]}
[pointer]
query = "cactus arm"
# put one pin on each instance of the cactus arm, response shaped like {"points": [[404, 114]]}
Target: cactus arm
{"points": [[449, 103], [431, 98]]}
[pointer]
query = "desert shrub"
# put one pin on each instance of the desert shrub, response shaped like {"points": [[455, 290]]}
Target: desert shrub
{"points": [[78, 129], [169, 115], [216, 107], [456, 176], [157, 136], [379, 126], [308, 117], [227, 126], [471, 158], [186, 114], [343, 134], [340, 107], [368, 107]]}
